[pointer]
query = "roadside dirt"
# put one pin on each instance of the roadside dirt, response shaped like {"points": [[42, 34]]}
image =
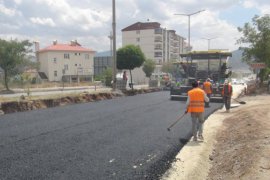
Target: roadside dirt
{"points": [[32, 103], [243, 142], [236, 145]]}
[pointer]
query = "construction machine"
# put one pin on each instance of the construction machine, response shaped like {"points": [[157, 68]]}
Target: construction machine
{"points": [[199, 66]]}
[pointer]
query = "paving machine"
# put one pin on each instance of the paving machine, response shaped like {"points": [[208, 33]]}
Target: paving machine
{"points": [[198, 66]]}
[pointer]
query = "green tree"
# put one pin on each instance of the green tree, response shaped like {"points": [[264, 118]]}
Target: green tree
{"points": [[257, 37], [12, 54], [148, 67], [107, 74], [130, 57], [167, 67]]}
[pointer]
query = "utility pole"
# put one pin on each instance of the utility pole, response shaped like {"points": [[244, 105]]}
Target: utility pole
{"points": [[189, 48], [114, 44], [188, 15], [209, 39]]}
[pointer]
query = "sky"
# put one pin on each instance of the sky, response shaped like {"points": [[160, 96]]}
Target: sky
{"points": [[90, 21]]}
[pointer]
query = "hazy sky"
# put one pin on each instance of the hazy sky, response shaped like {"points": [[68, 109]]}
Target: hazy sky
{"points": [[90, 21]]}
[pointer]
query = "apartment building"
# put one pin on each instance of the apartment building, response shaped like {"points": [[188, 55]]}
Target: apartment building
{"points": [[66, 62], [157, 43]]}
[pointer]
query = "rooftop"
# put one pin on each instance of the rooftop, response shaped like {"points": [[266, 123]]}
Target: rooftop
{"points": [[73, 46], [142, 26]]}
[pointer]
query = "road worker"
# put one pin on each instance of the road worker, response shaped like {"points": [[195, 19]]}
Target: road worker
{"points": [[227, 92], [195, 106], [207, 87]]}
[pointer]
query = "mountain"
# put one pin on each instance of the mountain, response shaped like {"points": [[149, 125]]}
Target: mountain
{"points": [[236, 63]]}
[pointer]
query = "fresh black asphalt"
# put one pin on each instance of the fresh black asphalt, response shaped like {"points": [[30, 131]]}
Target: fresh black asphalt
{"points": [[123, 138]]}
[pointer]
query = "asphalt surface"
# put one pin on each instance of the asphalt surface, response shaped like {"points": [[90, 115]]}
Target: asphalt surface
{"points": [[123, 138]]}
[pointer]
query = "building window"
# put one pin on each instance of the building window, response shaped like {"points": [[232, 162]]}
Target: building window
{"points": [[55, 73], [75, 54], [158, 46], [54, 60], [75, 64], [158, 54], [66, 66], [66, 56], [158, 39], [158, 31], [87, 56], [138, 39], [138, 32]]}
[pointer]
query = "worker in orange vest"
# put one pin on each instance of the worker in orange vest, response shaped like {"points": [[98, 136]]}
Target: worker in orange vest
{"points": [[207, 87], [195, 106], [227, 91]]}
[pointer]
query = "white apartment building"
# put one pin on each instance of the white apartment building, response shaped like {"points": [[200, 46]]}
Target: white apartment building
{"points": [[66, 62], [157, 43]]}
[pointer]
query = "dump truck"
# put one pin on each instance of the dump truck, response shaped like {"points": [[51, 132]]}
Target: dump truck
{"points": [[199, 66]]}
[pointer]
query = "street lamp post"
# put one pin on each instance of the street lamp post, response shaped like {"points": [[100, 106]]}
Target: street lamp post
{"points": [[114, 44], [188, 15], [208, 61], [209, 39], [189, 48]]}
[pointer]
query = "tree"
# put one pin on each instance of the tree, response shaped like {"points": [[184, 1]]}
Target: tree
{"points": [[257, 37], [12, 54], [130, 57], [174, 69], [167, 67], [148, 67]]}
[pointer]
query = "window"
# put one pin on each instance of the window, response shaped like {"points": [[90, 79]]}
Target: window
{"points": [[158, 31], [55, 73], [158, 54], [75, 54], [87, 56], [75, 64], [158, 46], [138, 39], [66, 66], [54, 60], [66, 56]]}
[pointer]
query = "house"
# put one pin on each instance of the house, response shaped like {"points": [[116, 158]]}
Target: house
{"points": [[66, 62]]}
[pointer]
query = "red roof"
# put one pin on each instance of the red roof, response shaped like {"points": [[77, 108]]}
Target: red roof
{"points": [[142, 26], [65, 47]]}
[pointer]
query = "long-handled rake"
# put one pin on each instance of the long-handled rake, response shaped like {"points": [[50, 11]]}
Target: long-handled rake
{"points": [[240, 102], [169, 128]]}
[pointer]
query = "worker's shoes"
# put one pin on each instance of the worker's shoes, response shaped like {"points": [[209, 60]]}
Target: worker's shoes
{"points": [[227, 110], [194, 138], [200, 137]]}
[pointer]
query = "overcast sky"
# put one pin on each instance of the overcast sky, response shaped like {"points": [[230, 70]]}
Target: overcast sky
{"points": [[90, 21]]}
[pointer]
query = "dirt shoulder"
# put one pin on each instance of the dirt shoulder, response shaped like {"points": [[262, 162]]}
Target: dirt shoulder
{"points": [[236, 145]]}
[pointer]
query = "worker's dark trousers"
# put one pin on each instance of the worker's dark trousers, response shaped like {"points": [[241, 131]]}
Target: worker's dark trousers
{"points": [[227, 102], [207, 103]]}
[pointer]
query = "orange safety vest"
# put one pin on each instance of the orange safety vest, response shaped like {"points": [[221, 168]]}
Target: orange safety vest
{"points": [[196, 100], [207, 87], [229, 90]]}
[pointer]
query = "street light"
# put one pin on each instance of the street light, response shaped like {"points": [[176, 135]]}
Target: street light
{"points": [[189, 24], [114, 44], [209, 39]]}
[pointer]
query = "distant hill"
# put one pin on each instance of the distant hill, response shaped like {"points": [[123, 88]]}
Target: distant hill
{"points": [[236, 63]]}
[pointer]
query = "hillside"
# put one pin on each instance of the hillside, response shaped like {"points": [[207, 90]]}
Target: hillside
{"points": [[236, 62]]}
